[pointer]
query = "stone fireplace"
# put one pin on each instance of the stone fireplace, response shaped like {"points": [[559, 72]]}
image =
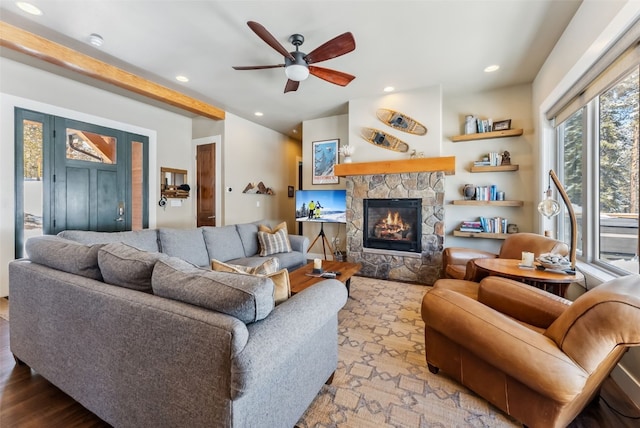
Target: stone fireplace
{"points": [[421, 264]]}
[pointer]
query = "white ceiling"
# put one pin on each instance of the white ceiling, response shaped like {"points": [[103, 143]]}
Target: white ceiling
{"points": [[404, 44]]}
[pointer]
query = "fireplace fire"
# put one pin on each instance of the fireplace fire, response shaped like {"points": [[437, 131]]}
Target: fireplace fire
{"points": [[392, 224], [392, 227]]}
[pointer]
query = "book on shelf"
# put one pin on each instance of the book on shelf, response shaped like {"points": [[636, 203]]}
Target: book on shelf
{"points": [[470, 229], [484, 125], [494, 225], [492, 159], [471, 226], [487, 193]]}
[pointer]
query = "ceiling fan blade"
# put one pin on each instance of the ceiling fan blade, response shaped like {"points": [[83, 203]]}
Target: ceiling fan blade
{"points": [[340, 45], [331, 76], [269, 39], [292, 85], [257, 67]]}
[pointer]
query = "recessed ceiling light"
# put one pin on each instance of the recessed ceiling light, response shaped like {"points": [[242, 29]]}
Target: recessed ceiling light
{"points": [[181, 78], [295, 131], [259, 113], [491, 68], [29, 8], [96, 40], [389, 89]]}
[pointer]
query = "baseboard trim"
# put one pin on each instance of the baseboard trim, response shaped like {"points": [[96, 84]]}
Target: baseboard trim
{"points": [[629, 385]]}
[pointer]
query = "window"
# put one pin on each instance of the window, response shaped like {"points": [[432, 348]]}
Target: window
{"points": [[599, 162], [90, 147]]}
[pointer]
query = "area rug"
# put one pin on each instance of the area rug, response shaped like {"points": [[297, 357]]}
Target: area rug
{"points": [[382, 378], [4, 308]]}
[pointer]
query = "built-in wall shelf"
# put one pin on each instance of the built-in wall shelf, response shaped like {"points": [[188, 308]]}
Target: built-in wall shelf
{"points": [[492, 203], [487, 135], [484, 235], [446, 164], [499, 168]]}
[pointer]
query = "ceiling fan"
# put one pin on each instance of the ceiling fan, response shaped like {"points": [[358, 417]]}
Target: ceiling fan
{"points": [[297, 64]]}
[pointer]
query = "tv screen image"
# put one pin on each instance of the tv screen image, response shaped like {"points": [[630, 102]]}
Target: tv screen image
{"points": [[329, 206]]}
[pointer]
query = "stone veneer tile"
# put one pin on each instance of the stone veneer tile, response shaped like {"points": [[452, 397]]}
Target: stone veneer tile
{"points": [[428, 186]]}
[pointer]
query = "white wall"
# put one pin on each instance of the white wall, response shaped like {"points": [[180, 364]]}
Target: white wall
{"points": [[595, 26], [328, 128], [31, 88], [424, 105], [252, 153], [508, 103]]}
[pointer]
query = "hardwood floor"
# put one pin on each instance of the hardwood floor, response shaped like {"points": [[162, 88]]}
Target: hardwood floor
{"points": [[27, 400]]}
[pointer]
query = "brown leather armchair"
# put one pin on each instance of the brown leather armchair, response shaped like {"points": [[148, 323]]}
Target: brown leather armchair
{"points": [[456, 260], [536, 356]]}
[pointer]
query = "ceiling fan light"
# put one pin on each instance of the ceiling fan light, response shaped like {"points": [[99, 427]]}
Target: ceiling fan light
{"points": [[297, 72]]}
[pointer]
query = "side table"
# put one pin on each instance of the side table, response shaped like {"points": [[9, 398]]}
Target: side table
{"points": [[544, 279]]}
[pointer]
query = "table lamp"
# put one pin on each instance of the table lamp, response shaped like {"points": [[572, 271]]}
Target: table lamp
{"points": [[551, 208]]}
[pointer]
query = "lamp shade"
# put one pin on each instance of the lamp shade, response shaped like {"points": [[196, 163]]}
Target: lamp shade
{"points": [[297, 72]]}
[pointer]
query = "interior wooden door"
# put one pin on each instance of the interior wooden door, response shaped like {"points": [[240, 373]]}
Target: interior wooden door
{"points": [[206, 184]]}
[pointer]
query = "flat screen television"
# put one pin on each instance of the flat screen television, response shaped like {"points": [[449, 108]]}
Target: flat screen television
{"points": [[328, 206]]}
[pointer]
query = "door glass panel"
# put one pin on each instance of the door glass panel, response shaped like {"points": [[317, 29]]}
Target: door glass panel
{"points": [[137, 185], [90, 147], [33, 180]]}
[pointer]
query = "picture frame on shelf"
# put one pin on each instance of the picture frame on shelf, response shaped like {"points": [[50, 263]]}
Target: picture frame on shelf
{"points": [[502, 125], [324, 160]]}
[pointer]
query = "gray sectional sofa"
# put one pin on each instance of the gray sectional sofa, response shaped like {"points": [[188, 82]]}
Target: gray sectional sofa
{"points": [[237, 244], [143, 339]]}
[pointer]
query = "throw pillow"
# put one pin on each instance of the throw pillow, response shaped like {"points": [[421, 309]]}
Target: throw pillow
{"points": [[246, 297], [127, 266], [282, 285], [67, 256], [271, 265], [274, 243], [265, 228]]}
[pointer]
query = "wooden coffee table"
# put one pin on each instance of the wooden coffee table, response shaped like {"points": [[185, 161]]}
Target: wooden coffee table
{"points": [[300, 280], [546, 280]]}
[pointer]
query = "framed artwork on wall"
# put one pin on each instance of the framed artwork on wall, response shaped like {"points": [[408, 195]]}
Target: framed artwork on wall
{"points": [[325, 157]]}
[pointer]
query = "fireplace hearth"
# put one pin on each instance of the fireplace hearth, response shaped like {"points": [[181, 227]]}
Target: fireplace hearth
{"points": [[393, 224]]}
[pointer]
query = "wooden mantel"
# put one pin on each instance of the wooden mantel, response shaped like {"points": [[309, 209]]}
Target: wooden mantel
{"points": [[446, 164]]}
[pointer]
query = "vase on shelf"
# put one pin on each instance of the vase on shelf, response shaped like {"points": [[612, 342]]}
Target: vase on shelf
{"points": [[346, 152]]}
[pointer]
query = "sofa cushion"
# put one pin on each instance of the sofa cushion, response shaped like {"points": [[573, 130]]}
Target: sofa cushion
{"points": [[248, 233], [273, 243], [65, 255], [187, 244], [280, 278], [246, 297], [223, 243], [146, 239], [127, 266], [268, 266]]}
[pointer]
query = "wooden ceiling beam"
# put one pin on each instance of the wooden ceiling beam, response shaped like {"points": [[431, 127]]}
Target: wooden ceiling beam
{"points": [[30, 44]]}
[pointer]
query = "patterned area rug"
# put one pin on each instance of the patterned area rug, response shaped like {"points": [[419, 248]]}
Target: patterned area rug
{"points": [[4, 308], [382, 378]]}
